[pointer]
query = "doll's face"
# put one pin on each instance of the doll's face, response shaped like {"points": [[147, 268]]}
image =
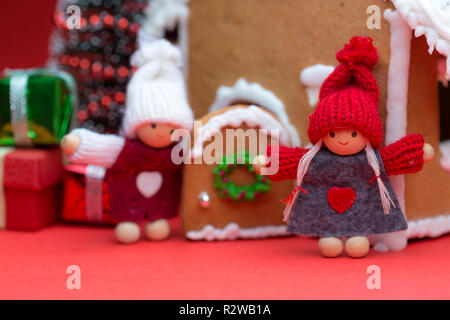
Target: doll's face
{"points": [[344, 142], [156, 134]]}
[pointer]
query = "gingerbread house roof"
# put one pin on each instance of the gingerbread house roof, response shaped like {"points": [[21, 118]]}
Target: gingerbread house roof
{"points": [[236, 116], [430, 18], [255, 94]]}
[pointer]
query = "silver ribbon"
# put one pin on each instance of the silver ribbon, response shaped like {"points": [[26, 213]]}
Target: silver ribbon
{"points": [[94, 192], [18, 99], [18, 106]]}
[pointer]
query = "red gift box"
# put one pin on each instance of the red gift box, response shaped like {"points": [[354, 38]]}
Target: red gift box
{"points": [[86, 195], [30, 189]]}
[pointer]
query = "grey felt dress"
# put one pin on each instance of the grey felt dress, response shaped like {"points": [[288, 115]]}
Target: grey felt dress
{"points": [[343, 199]]}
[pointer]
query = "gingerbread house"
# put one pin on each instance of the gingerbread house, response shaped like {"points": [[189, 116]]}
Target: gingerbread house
{"points": [[288, 47], [223, 198]]}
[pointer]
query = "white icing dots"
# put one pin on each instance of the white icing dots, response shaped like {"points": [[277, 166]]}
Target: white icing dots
{"points": [[312, 78]]}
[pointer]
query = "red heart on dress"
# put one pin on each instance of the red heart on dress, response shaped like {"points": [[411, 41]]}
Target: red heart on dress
{"points": [[341, 199]]}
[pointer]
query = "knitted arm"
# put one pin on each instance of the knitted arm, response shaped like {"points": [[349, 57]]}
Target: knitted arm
{"points": [[288, 159], [96, 149], [404, 156]]}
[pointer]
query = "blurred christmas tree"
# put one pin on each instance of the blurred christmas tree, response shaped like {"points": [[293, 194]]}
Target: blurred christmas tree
{"points": [[94, 40]]}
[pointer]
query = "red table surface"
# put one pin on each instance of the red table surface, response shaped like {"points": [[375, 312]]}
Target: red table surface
{"points": [[33, 266]]}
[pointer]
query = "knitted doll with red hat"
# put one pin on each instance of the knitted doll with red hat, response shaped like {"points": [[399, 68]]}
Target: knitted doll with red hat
{"points": [[144, 183], [343, 190]]}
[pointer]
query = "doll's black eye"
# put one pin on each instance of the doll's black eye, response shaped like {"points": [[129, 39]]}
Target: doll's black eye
{"points": [[171, 131], [354, 134], [153, 125], [332, 134]]}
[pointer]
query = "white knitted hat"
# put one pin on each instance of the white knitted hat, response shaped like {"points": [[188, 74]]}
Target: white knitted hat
{"points": [[156, 92]]}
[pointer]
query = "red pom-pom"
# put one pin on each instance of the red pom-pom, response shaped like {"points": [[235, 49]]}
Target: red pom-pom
{"points": [[359, 50]]}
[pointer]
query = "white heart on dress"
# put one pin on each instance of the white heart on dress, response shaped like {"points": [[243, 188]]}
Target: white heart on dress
{"points": [[148, 183]]}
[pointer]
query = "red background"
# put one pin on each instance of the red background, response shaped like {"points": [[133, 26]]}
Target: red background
{"points": [[25, 27]]}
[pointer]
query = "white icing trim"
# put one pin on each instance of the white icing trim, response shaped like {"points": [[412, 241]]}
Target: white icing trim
{"points": [[396, 121], [445, 155], [312, 78], [256, 94], [430, 18], [233, 231], [253, 116], [397, 241], [397, 90], [429, 227], [162, 15]]}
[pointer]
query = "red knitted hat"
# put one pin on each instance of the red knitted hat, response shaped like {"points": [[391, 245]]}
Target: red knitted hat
{"points": [[349, 97]]}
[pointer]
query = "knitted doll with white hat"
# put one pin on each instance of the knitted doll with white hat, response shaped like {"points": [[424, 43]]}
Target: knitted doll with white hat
{"points": [[143, 181], [343, 191]]}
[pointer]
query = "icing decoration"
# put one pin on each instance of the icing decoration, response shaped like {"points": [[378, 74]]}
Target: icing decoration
{"points": [[233, 231], [149, 183], [162, 15], [397, 90], [430, 18], [445, 152], [166, 15], [429, 227], [312, 78], [228, 189], [253, 116], [422, 228], [396, 120], [254, 93], [341, 199], [204, 199]]}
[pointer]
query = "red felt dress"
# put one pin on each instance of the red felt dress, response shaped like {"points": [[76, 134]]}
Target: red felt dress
{"points": [[144, 183]]}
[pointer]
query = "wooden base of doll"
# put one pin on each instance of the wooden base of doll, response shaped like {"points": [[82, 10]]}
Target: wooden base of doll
{"points": [[157, 230], [127, 232], [130, 232], [331, 247], [356, 247]]}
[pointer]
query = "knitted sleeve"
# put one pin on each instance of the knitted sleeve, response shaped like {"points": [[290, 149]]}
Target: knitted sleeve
{"points": [[97, 149], [404, 156], [288, 159]]}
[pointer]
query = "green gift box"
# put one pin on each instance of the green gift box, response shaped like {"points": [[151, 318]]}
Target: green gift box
{"points": [[35, 106]]}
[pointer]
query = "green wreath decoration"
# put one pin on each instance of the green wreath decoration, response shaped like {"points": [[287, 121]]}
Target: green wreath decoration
{"points": [[231, 191]]}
